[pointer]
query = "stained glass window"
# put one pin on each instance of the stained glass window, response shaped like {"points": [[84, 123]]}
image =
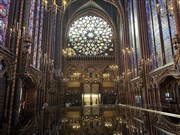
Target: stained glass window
{"points": [[172, 23], [152, 63], [166, 32], [31, 17], [4, 11], [167, 24], [91, 35], [35, 29], [136, 25], [40, 36], [132, 40], [158, 56], [36, 34]]}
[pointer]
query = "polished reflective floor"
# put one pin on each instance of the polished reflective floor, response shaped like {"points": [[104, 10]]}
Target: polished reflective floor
{"points": [[113, 120]]}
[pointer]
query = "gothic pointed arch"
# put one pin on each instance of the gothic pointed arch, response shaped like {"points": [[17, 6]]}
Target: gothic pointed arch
{"points": [[91, 72], [169, 96]]}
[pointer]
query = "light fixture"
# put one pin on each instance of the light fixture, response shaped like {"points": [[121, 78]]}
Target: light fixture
{"points": [[68, 52], [76, 74], [113, 67], [117, 79], [65, 79], [54, 7], [169, 9], [49, 7], [117, 133], [108, 124], [106, 75], [127, 50], [76, 126]]}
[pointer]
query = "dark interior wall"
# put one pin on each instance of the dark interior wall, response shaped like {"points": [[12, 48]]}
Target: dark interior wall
{"points": [[2, 98]]}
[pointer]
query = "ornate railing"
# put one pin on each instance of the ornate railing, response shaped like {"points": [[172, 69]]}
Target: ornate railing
{"points": [[91, 58]]}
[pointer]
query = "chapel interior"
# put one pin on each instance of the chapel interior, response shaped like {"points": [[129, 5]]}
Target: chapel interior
{"points": [[89, 67]]}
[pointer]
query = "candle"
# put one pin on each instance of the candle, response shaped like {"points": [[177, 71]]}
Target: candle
{"points": [[24, 30], [17, 25], [10, 30], [45, 4]]}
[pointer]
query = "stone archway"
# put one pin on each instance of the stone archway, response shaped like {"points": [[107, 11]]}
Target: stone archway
{"points": [[169, 96], [5, 86], [27, 100]]}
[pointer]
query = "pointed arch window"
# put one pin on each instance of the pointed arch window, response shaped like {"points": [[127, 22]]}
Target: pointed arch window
{"points": [[4, 11], [91, 35], [31, 17], [36, 33], [35, 29], [160, 20]]}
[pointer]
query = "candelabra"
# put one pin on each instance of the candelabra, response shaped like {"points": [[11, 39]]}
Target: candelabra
{"points": [[113, 67], [55, 7], [76, 74], [167, 8], [111, 125], [117, 133], [117, 79], [68, 52], [76, 126], [127, 73], [108, 124], [106, 75], [126, 54]]}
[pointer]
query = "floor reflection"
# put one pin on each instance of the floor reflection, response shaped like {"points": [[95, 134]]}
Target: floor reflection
{"points": [[93, 119]]}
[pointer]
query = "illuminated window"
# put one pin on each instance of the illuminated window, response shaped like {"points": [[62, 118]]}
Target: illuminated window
{"points": [[35, 52], [4, 11], [35, 29], [91, 35], [31, 16], [91, 99]]}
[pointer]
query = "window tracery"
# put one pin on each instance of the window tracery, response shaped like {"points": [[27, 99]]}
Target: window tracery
{"points": [[91, 35]]}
